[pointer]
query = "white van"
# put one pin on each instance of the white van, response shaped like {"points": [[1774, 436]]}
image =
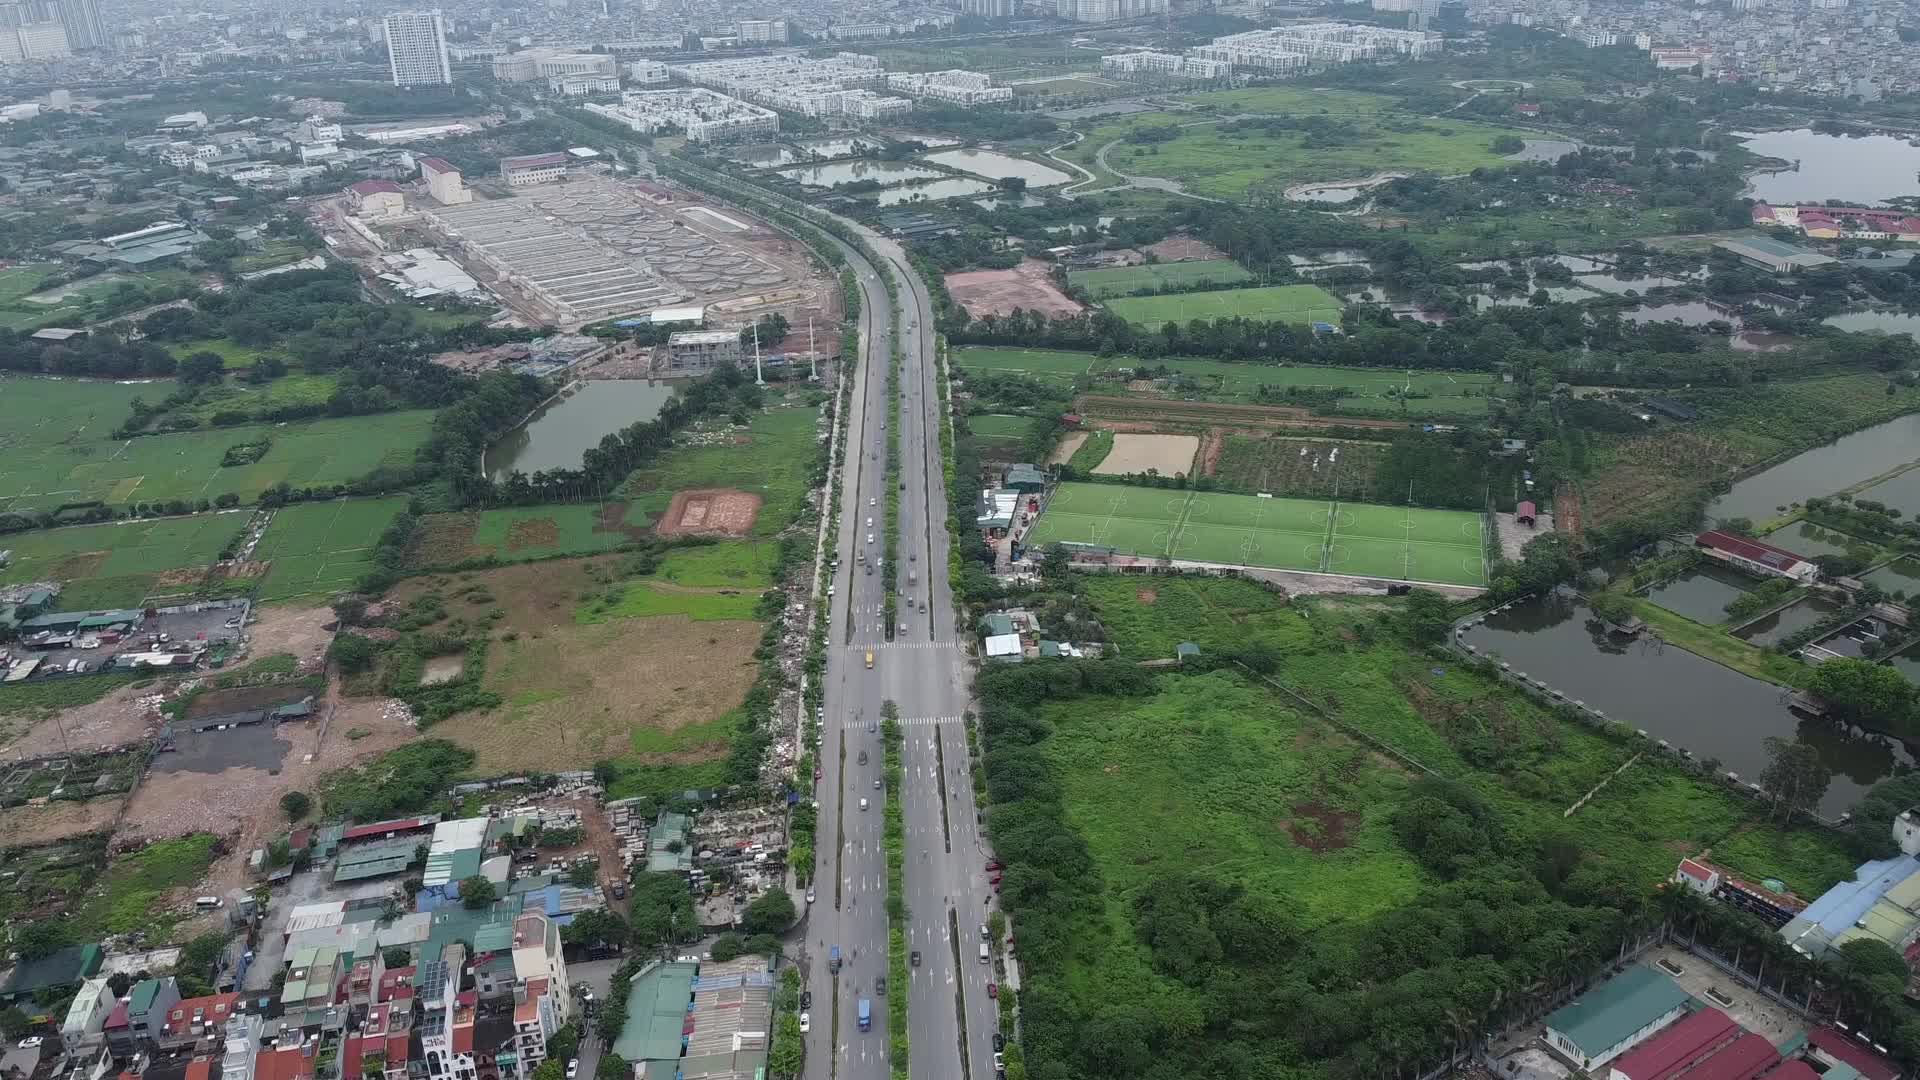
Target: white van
{"points": [[206, 903], [985, 957], [863, 804]]}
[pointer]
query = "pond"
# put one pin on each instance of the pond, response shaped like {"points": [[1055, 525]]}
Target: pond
{"points": [[1702, 594], [1327, 193], [1544, 150], [763, 155], [1689, 313], [1024, 202], [1901, 575], [1869, 170], [1789, 621], [934, 191], [998, 166], [1330, 257], [1806, 538], [1887, 322], [563, 430], [1610, 283], [846, 172], [1693, 703], [1822, 471], [1901, 492], [834, 148]]}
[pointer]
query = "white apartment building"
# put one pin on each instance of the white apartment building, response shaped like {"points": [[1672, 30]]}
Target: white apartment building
{"points": [[761, 31], [582, 85], [242, 1046], [648, 73], [1602, 39], [867, 105], [535, 1019], [417, 49], [955, 87], [839, 85], [184, 155], [1314, 45], [34, 41], [444, 182], [705, 116], [537, 954], [1108, 10], [1159, 65], [317, 129], [860, 31], [987, 9]]}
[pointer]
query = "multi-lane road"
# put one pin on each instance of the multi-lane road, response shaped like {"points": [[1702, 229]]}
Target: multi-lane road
{"points": [[922, 668]]}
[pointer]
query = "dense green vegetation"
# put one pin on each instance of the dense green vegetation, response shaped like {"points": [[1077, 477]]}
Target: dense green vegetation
{"points": [[1196, 859], [412, 779]]}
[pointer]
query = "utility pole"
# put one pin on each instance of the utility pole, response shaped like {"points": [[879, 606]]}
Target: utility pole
{"points": [[813, 353], [758, 379]]}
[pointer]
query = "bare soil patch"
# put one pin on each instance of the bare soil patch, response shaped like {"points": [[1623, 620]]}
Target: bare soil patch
{"points": [[444, 539], [1168, 455], [1068, 445], [25, 826], [442, 669], [576, 693], [1320, 828], [1216, 441], [1162, 412], [710, 512], [115, 720], [296, 630], [1146, 596], [181, 578], [613, 518], [532, 533], [1028, 286], [1183, 248]]}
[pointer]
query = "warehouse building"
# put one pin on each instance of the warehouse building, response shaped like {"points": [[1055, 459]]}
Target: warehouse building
{"points": [[1755, 557], [532, 169], [1616, 1016], [1766, 253], [444, 182], [703, 350]]}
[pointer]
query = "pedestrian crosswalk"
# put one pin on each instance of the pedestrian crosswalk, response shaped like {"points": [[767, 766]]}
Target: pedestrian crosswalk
{"points": [[927, 721], [858, 647]]}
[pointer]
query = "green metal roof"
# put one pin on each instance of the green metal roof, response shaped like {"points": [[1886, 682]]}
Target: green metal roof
{"points": [[141, 999], [657, 1001], [1617, 1008]]}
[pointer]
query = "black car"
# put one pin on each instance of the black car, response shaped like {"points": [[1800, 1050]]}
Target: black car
{"points": [[806, 999], [880, 986], [999, 1042], [916, 958]]}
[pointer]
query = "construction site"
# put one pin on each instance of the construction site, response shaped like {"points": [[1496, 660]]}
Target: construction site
{"points": [[593, 247]]}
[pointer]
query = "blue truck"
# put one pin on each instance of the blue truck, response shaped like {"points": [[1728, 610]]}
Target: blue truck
{"points": [[866, 1015], [833, 960]]}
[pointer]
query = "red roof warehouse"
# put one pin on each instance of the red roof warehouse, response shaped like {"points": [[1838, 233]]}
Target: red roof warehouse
{"points": [[1755, 557], [1679, 1046]]}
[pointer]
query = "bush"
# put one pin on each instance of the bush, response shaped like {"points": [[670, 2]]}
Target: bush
{"points": [[295, 804]]}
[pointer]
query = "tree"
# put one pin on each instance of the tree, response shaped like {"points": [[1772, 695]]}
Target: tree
{"points": [[295, 804], [554, 1068], [1426, 618], [39, 938], [789, 1053], [477, 892], [662, 910], [596, 927], [771, 913], [1861, 692], [728, 946], [583, 875], [1867, 957], [1795, 778], [14, 1023], [397, 958], [613, 1067], [1614, 607], [353, 652], [200, 368], [565, 1043]]}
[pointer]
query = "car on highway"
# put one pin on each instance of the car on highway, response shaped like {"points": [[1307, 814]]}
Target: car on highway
{"points": [[31, 1041], [869, 535], [869, 663], [863, 804], [573, 1068], [993, 990], [999, 1042], [916, 958], [806, 1023], [806, 999], [876, 783], [809, 896], [999, 1060], [880, 986], [871, 500], [993, 864]]}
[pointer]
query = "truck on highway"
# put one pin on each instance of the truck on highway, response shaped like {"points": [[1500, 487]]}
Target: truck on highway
{"points": [[833, 959], [866, 1015]]}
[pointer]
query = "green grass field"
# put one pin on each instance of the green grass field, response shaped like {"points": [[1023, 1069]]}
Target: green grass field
{"points": [[116, 564], [1372, 135], [1289, 303], [730, 564], [233, 354], [1000, 426], [1047, 365], [644, 599], [1359, 539], [773, 463], [56, 447], [321, 548], [1121, 280]]}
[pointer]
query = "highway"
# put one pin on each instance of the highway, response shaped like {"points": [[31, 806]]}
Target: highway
{"points": [[924, 670]]}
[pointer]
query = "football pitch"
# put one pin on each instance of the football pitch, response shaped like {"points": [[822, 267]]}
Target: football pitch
{"points": [[1360, 539]]}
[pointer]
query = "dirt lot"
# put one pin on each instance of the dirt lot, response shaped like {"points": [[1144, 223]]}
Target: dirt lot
{"points": [[116, 719], [293, 630], [576, 692], [1183, 248], [25, 826], [709, 512], [1168, 455], [1064, 452], [998, 292]]}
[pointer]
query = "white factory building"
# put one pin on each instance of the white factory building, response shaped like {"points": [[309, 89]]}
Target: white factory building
{"points": [[530, 169], [954, 87], [444, 182], [840, 85], [582, 85], [1159, 65], [1315, 45], [705, 116], [529, 65], [648, 73]]}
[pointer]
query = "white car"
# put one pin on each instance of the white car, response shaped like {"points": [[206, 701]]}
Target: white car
{"points": [[809, 896], [573, 1068], [869, 538], [871, 500], [806, 1023]]}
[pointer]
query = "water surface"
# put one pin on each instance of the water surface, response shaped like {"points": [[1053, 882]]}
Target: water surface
{"points": [[1692, 702], [561, 432], [1702, 594], [1822, 470], [1789, 621], [847, 172], [1867, 170], [934, 191], [997, 166], [1886, 322]]}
